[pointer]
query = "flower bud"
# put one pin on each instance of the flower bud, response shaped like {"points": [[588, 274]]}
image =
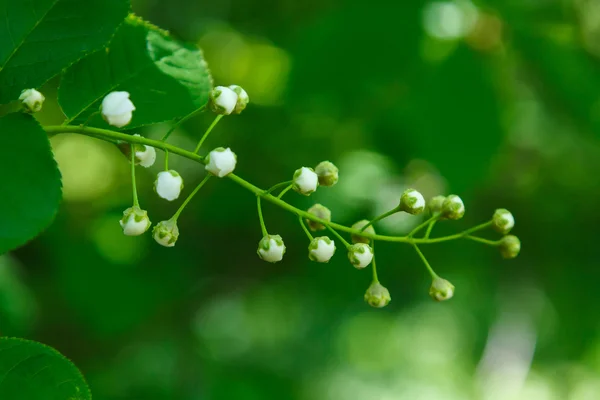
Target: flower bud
{"points": [[223, 100], [117, 109], [321, 249], [453, 207], [358, 226], [503, 221], [166, 233], [220, 162], [412, 202], [168, 184], [436, 204], [327, 173], [135, 221], [242, 98], [360, 255], [305, 181], [320, 211], [377, 295], [32, 100], [271, 248], [441, 289], [510, 246]]}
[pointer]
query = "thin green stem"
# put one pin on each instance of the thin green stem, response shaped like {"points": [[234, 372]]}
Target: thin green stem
{"points": [[277, 186], [166, 160], [284, 191], [92, 115], [484, 241], [305, 229], [186, 201], [431, 271], [422, 225], [477, 228], [181, 121], [380, 217], [210, 128], [263, 227], [109, 135], [429, 228], [374, 266], [344, 241], [135, 196]]}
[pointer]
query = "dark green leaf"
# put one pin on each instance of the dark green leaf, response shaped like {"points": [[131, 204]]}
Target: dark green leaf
{"points": [[33, 371], [166, 79], [31, 186], [39, 38]]}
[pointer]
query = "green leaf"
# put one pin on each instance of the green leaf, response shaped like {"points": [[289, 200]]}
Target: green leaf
{"points": [[166, 79], [39, 38], [31, 185], [33, 371]]}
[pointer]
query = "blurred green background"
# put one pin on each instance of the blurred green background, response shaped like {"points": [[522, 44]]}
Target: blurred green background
{"points": [[497, 101]]}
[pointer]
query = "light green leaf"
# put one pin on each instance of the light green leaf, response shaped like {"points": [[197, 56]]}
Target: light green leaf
{"points": [[39, 38], [31, 185], [33, 371], [166, 79]]}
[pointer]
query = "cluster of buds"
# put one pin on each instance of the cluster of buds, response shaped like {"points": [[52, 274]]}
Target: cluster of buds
{"points": [[306, 180], [228, 100]]}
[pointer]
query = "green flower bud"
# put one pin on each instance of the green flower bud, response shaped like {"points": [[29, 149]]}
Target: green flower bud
{"points": [[436, 204], [377, 295], [242, 98], [135, 221], [358, 226], [321, 249], [271, 248], [320, 211], [453, 207], [223, 100], [503, 221], [166, 233], [441, 289], [360, 255], [510, 246], [305, 181], [412, 202], [328, 173]]}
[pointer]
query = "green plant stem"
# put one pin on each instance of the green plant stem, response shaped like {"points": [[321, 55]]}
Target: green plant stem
{"points": [[166, 160], [135, 196], [263, 227], [429, 228], [431, 271], [421, 226], [284, 191], [181, 121], [374, 267], [277, 186], [210, 128], [108, 135], [344, 241], [380, 217], [186, 201], [484, 241], [305, 229]]}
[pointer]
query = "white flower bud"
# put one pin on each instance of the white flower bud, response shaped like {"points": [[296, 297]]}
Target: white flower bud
{"points": [[360, 255], [441, 289], [32, 100], [328, 173], [358, 226], [220, 162], [510, 246], [144, 155], [223, 100], [271, 248], [135, 221], [320, 211], [453, 207], [168, 184], [305, 181], [503, 221], [377, 295], [166, 233], [412, 202], [436, 204], [117, 109], [242, 98], [321, 249]]}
